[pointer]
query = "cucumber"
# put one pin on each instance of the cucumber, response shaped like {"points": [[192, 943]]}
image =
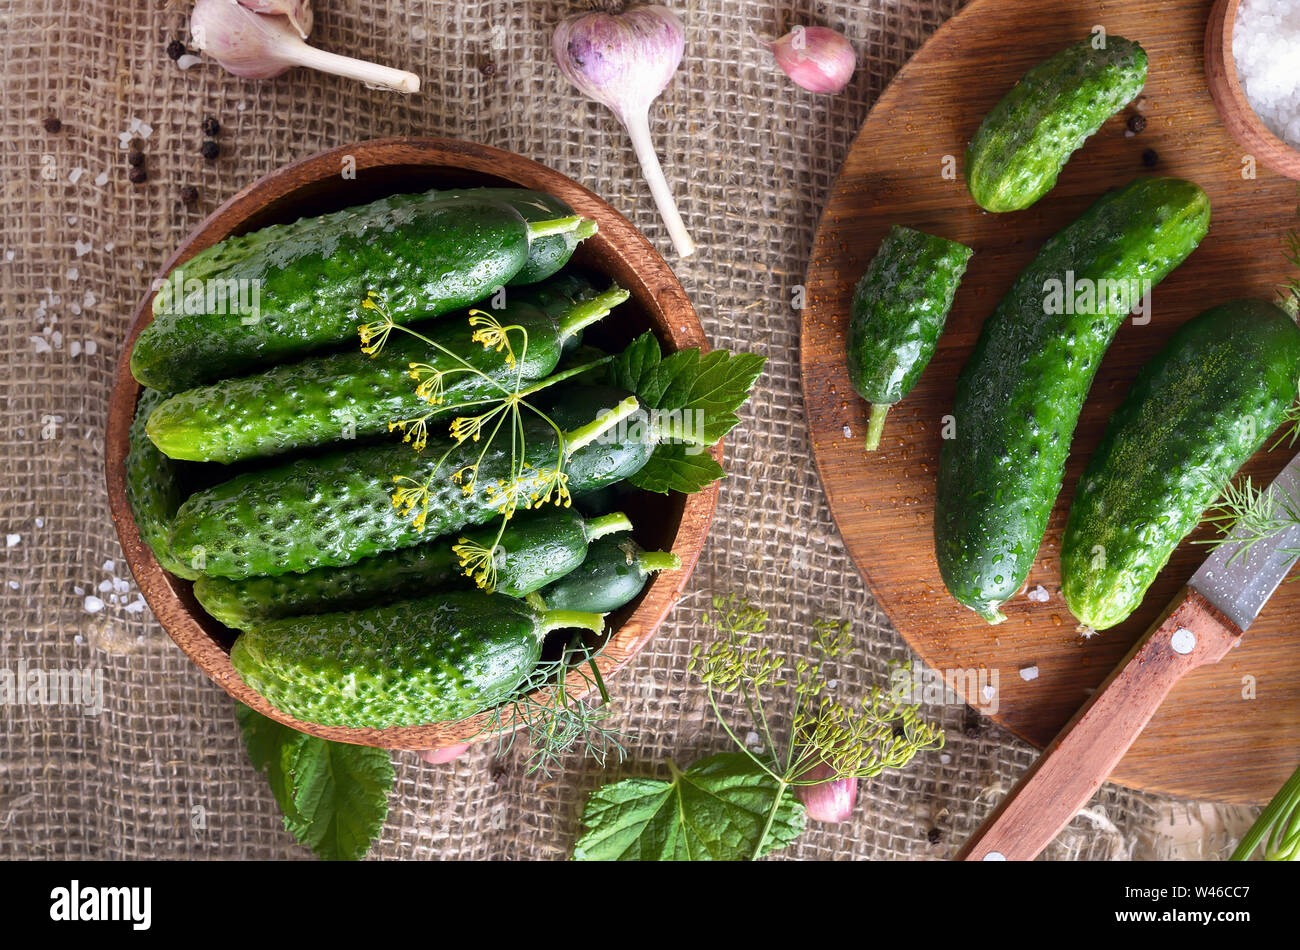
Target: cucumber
{"points": [[1196, 412], [899, 308], [614, 572], [537, 547], [305, 291], [1020, 392], [337, 508], [546, 255], [352, 395], [153, 487], [1023, 143], [436, 659]]}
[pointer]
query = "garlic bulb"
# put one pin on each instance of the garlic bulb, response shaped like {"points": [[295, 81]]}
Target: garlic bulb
{"points": [[624, 60], [258, 46]]}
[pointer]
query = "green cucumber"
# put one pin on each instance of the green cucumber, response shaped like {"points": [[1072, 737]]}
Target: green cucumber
{"points": [[899, 308], [1024, 142], [1020, 392], [546, 255], [614, 572], [337, 508], [1196, 412], [436, 659], [306, 291], [153, 487], [352, 395], [537, 547]]}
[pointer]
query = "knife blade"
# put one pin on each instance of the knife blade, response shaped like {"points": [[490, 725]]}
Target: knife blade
{"points": [[1239, 582]]}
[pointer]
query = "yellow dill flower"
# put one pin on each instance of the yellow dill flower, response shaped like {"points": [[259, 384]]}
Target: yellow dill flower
{"points": [[492, 334], [469, 427], [478, 562], [375, 334], [415, 431], [430, 382], [412, 499]]}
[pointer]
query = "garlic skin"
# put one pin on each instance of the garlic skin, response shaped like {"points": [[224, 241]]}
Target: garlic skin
{"points": [[624, 61], [831, 799], [816, 58], [259, 46], [299, 12]]}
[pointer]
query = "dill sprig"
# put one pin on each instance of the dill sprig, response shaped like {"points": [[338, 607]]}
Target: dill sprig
{"points": [[481, 420], [1277, 828], [1247, 515], [562, 719], [853, 739]]}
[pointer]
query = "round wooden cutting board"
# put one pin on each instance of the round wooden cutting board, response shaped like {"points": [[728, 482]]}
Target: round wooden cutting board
{"points": [[1229, 732]]}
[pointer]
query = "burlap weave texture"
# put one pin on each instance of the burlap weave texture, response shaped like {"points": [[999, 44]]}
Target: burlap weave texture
{"points": [[161, 772]]}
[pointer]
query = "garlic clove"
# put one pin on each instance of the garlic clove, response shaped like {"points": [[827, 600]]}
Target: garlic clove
{"points": [[830, 799], [299, 12], [816, 58], [445, 754]]}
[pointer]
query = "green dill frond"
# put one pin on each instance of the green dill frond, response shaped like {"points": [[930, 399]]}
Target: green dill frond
{"points": [[562, 719], [1289, 293], [1291, 426], [1247, 515]]}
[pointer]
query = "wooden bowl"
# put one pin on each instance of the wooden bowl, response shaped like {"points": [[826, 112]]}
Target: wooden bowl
{"points": [[1240, 118], [314, 186]]}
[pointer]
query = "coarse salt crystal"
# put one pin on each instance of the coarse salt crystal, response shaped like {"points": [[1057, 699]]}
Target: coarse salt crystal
{"points": [[14, 585], [1039, 595], [93, 605], [101, 179], [13, 540], [73, 273], [987, 694], [91, 347], [188, 60], [74, 176], [109, 566], [82, 247], [1028, 673]]}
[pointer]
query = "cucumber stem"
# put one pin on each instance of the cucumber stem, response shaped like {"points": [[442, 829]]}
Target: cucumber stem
{"points": [[991, 613], [538, 229], [589, 311], [585, 435], [555, 619], [876, 424], [607, 524], [654, 561], [562, 376]]}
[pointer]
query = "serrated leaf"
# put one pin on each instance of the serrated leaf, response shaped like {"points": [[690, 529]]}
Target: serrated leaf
{"points": [[677, 467], [714, 811], [334, 795]]}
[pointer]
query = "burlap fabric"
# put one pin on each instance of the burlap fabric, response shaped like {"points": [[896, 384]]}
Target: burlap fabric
{"points": [[161, 772]]}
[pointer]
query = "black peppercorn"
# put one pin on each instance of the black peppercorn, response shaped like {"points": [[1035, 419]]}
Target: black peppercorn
{"points": [[211, 127], [52, 124], [137, 175], [1136, 123], [175, 50], [135, 158], [1149, 158], [934, 835], [487, 68], [189, 195], [972, 725], [210, 150]]}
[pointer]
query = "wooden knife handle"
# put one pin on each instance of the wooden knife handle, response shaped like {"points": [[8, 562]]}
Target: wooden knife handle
{"points": [[1191, 633]]}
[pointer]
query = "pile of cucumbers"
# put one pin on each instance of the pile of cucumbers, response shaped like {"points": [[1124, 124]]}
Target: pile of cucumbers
{"points": [[1194, 415], [265, 463]]}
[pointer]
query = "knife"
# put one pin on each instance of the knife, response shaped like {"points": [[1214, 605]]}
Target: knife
{"points": [[1198, 628]]}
